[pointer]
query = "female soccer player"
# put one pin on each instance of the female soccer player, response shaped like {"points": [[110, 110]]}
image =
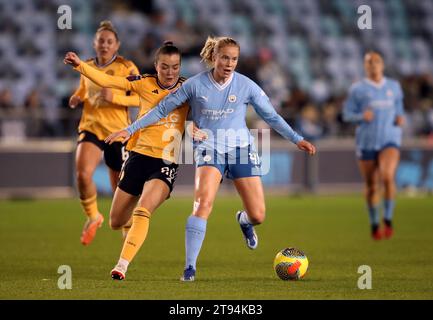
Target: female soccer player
{"points": [[98, 119], [149, 173], [376, 105], [219, 99]]}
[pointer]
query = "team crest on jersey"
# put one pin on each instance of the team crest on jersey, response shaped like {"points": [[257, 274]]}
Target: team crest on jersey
{"points": [[389, 93], [232, 98], [110, 72]]}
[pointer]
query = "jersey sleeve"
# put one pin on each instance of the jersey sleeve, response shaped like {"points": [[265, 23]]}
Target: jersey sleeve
{"points": [[399, 100], [352, 110], [81, 90], [174, 100], [131, 83], [262, 105], [127, 101]]}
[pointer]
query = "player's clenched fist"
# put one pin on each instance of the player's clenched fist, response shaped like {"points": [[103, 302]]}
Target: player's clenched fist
{"points": [[72, 59]]}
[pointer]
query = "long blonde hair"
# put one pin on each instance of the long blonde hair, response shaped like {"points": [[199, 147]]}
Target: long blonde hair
{"points": [[213, 45]]}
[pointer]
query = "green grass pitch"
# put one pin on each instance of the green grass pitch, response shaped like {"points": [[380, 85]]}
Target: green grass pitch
{"points": [[39, 236]]}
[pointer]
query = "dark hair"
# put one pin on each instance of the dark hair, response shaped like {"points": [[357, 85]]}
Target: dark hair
{"points": [[167, 48]]}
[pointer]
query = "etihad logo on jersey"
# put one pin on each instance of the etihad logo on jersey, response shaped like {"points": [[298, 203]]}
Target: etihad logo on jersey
{"points": [[216, 114], [381, 104]]}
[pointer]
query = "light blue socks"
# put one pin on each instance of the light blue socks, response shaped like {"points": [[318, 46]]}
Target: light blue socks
{"points": [[389, 205], [195, 232]]}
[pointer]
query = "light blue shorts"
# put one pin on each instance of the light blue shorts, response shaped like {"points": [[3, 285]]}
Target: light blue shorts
{"points": [[238, 163]]}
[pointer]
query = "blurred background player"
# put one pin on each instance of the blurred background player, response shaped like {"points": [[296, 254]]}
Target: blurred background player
{"points": [[149, 173], [376, 105], [99, 118], [219, 100]]}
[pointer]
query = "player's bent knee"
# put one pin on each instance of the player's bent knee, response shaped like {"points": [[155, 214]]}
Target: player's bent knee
{"points": [[115, 224], [387, 179], [371, 189], [202, 207], [84, 177]]}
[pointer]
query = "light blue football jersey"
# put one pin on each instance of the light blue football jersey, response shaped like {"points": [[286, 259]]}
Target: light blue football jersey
{"points": [[386, 101], [220, 110]]}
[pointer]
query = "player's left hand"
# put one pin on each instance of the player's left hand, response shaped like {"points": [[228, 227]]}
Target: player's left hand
{"points": [[306, 146], [123, 134], [399, 121]]}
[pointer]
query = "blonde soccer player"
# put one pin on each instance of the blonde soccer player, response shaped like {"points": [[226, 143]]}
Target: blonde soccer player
{"points": [[99, 118], [219, 98]]}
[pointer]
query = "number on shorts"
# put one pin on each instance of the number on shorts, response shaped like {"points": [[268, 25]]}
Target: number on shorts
{"points": [[170, 173], [125, 154]]}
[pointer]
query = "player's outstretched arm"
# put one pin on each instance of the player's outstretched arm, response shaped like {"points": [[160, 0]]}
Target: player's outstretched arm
{"points": [[121, 100], [162, 109], [99, 77], [266, 111], [149, 118]]}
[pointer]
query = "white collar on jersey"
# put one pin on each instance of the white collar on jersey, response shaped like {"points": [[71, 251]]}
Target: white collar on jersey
{"points": [[105, 64], [375, 84], [216, 84]]}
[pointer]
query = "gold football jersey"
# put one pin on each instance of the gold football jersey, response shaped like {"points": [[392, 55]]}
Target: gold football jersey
{"points": [[161, 139], [99, 116]]}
